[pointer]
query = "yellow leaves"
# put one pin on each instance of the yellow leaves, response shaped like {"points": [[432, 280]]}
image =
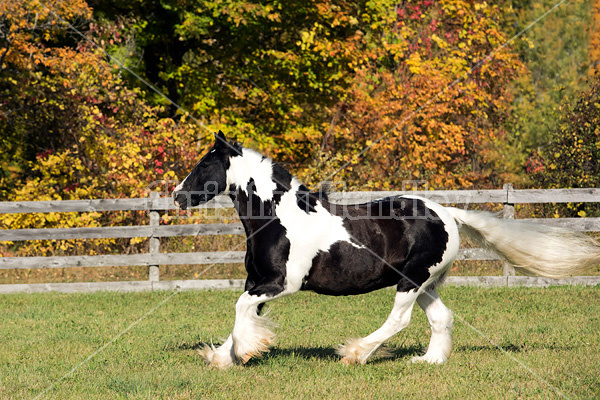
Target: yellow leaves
{"points": [[414, 63], [135, 241], [530, 43], [439, 41], [307, 38], [480, 6]]}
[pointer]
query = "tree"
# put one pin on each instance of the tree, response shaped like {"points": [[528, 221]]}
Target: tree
{"points": [[311, 83], [573, 158], [594, 40], [31, 42], [425, 85], [72, 129], [555, 51]]}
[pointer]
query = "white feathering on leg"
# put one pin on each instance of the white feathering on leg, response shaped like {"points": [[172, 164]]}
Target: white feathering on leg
{"points": [[221, 357]]}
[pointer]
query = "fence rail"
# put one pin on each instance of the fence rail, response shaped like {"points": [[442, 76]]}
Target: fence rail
{"points": [[154, 204], [504, 196]]}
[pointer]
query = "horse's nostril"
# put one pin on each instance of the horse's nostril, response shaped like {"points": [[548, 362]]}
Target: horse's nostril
{"points": [[180, 200]]}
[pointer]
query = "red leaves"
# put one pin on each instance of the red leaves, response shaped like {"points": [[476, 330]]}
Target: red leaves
{"points": [[71, 187], [534, 165], [44, 154]]}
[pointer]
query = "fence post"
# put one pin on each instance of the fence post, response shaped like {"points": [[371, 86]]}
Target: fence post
{"points": [[508, 212], [153, 270]]}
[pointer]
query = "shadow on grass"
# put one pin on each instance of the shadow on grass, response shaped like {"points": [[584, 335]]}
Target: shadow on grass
{"points": [[311, 353], [397, 353], [329, 354], [301, 351], [512, 348], [389, 353], [307, 353]]}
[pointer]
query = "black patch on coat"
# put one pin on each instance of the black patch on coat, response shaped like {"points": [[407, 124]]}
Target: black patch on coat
{"points": [[282, 180], [209, 177], [267, 247], [406, 236], [305, 200]]}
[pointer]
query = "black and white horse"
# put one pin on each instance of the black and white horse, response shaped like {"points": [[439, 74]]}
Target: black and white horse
{"points": [[297, 240]]}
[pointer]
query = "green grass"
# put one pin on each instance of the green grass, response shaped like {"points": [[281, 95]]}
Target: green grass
{"points": [[553, 331]]}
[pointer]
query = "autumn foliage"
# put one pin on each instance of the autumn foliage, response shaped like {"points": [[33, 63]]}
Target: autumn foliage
{"points": [[73, 129], [435, 87], [95, 96]]}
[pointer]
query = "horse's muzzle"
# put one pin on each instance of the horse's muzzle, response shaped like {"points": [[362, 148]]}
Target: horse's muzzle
{"points": [[181, 200]]}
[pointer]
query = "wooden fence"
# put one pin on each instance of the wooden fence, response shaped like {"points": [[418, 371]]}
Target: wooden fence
{"points": [[507, 196]]}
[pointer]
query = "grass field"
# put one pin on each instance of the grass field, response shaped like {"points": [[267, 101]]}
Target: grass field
{"points": [[550, 336]]}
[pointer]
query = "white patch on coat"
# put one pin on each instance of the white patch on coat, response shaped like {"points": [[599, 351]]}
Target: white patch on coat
{"points": [[252, 165], [308, 234]]}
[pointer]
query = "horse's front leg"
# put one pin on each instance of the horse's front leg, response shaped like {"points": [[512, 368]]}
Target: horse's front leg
{"points": [[223, 357], [252, 334]]}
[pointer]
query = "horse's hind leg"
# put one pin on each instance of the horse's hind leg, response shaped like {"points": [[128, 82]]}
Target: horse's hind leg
{"points": [[359, 350], [440, 319]]}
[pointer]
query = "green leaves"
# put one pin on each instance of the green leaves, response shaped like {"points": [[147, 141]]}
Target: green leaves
{"points": [[572, 159]]}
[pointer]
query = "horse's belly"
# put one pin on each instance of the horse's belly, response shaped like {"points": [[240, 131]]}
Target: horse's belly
{"points": [[347, 270]]}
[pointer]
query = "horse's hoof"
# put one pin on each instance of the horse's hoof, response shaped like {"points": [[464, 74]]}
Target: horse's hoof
{"points": [[348, 361], [246, 357], [427, 359], [215, 360]]}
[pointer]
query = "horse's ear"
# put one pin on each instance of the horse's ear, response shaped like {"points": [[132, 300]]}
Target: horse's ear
{"points": [[220, 141]]}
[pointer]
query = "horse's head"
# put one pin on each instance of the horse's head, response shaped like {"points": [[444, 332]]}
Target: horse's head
{"points": [[209, 178]]}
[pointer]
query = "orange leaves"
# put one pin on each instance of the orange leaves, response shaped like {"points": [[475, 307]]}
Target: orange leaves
{"points": [[310, 82], [32, 22], [436, 123], [594, 40]]}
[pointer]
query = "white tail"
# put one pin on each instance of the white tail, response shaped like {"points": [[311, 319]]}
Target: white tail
{"points": [[532, 248]]}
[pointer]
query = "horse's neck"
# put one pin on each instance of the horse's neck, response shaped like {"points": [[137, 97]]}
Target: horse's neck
{"points": [[256, 185], [251, 166], [254, 212]]}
